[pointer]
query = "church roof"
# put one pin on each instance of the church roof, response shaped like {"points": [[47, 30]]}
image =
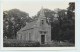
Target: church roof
{"points": [[29, 26], [33, 23]]}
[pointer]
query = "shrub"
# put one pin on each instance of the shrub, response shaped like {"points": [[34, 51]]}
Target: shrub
{"points": [[20, 43]]}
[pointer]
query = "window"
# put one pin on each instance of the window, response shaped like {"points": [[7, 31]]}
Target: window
{"points": [[42, 22], [29, 36]]}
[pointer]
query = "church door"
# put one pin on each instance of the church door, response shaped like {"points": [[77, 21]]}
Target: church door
{"points": [[42, 39]]}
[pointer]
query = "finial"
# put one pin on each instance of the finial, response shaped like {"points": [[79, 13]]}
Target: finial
{"points": [[42, 11]]}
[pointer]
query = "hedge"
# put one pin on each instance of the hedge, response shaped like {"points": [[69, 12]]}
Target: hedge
{"points": [[20, 43]]}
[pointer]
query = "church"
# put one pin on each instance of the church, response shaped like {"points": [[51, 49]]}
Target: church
{"points": [[38, 30]]}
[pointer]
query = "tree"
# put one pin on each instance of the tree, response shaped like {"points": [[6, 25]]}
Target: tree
{"points": [[71, 10], [71, 19], [14, 20], [67, 24]]}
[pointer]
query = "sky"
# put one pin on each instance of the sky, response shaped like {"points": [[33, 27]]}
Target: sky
{"points": [[32, 7]]}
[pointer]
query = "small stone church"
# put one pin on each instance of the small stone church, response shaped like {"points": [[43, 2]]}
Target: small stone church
{"points": [[38, 30]]}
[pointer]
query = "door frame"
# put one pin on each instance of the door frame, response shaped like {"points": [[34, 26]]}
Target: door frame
{"points": [[42, 39]]}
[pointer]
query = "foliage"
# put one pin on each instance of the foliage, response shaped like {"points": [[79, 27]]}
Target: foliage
{"points": [[14, 20], [20, 43]]}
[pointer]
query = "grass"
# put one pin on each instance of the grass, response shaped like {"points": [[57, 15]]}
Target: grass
{"points": [[58, 44], [23, 43]]}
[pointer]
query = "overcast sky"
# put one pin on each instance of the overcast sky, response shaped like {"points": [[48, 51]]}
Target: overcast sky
{"points": [[32, 7]]}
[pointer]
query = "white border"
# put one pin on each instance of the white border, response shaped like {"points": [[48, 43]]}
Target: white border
{"points": [[33, 48], [40, 48]]}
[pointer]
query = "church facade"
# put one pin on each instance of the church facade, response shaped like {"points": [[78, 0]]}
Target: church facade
{"points": [[38, 30]]}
